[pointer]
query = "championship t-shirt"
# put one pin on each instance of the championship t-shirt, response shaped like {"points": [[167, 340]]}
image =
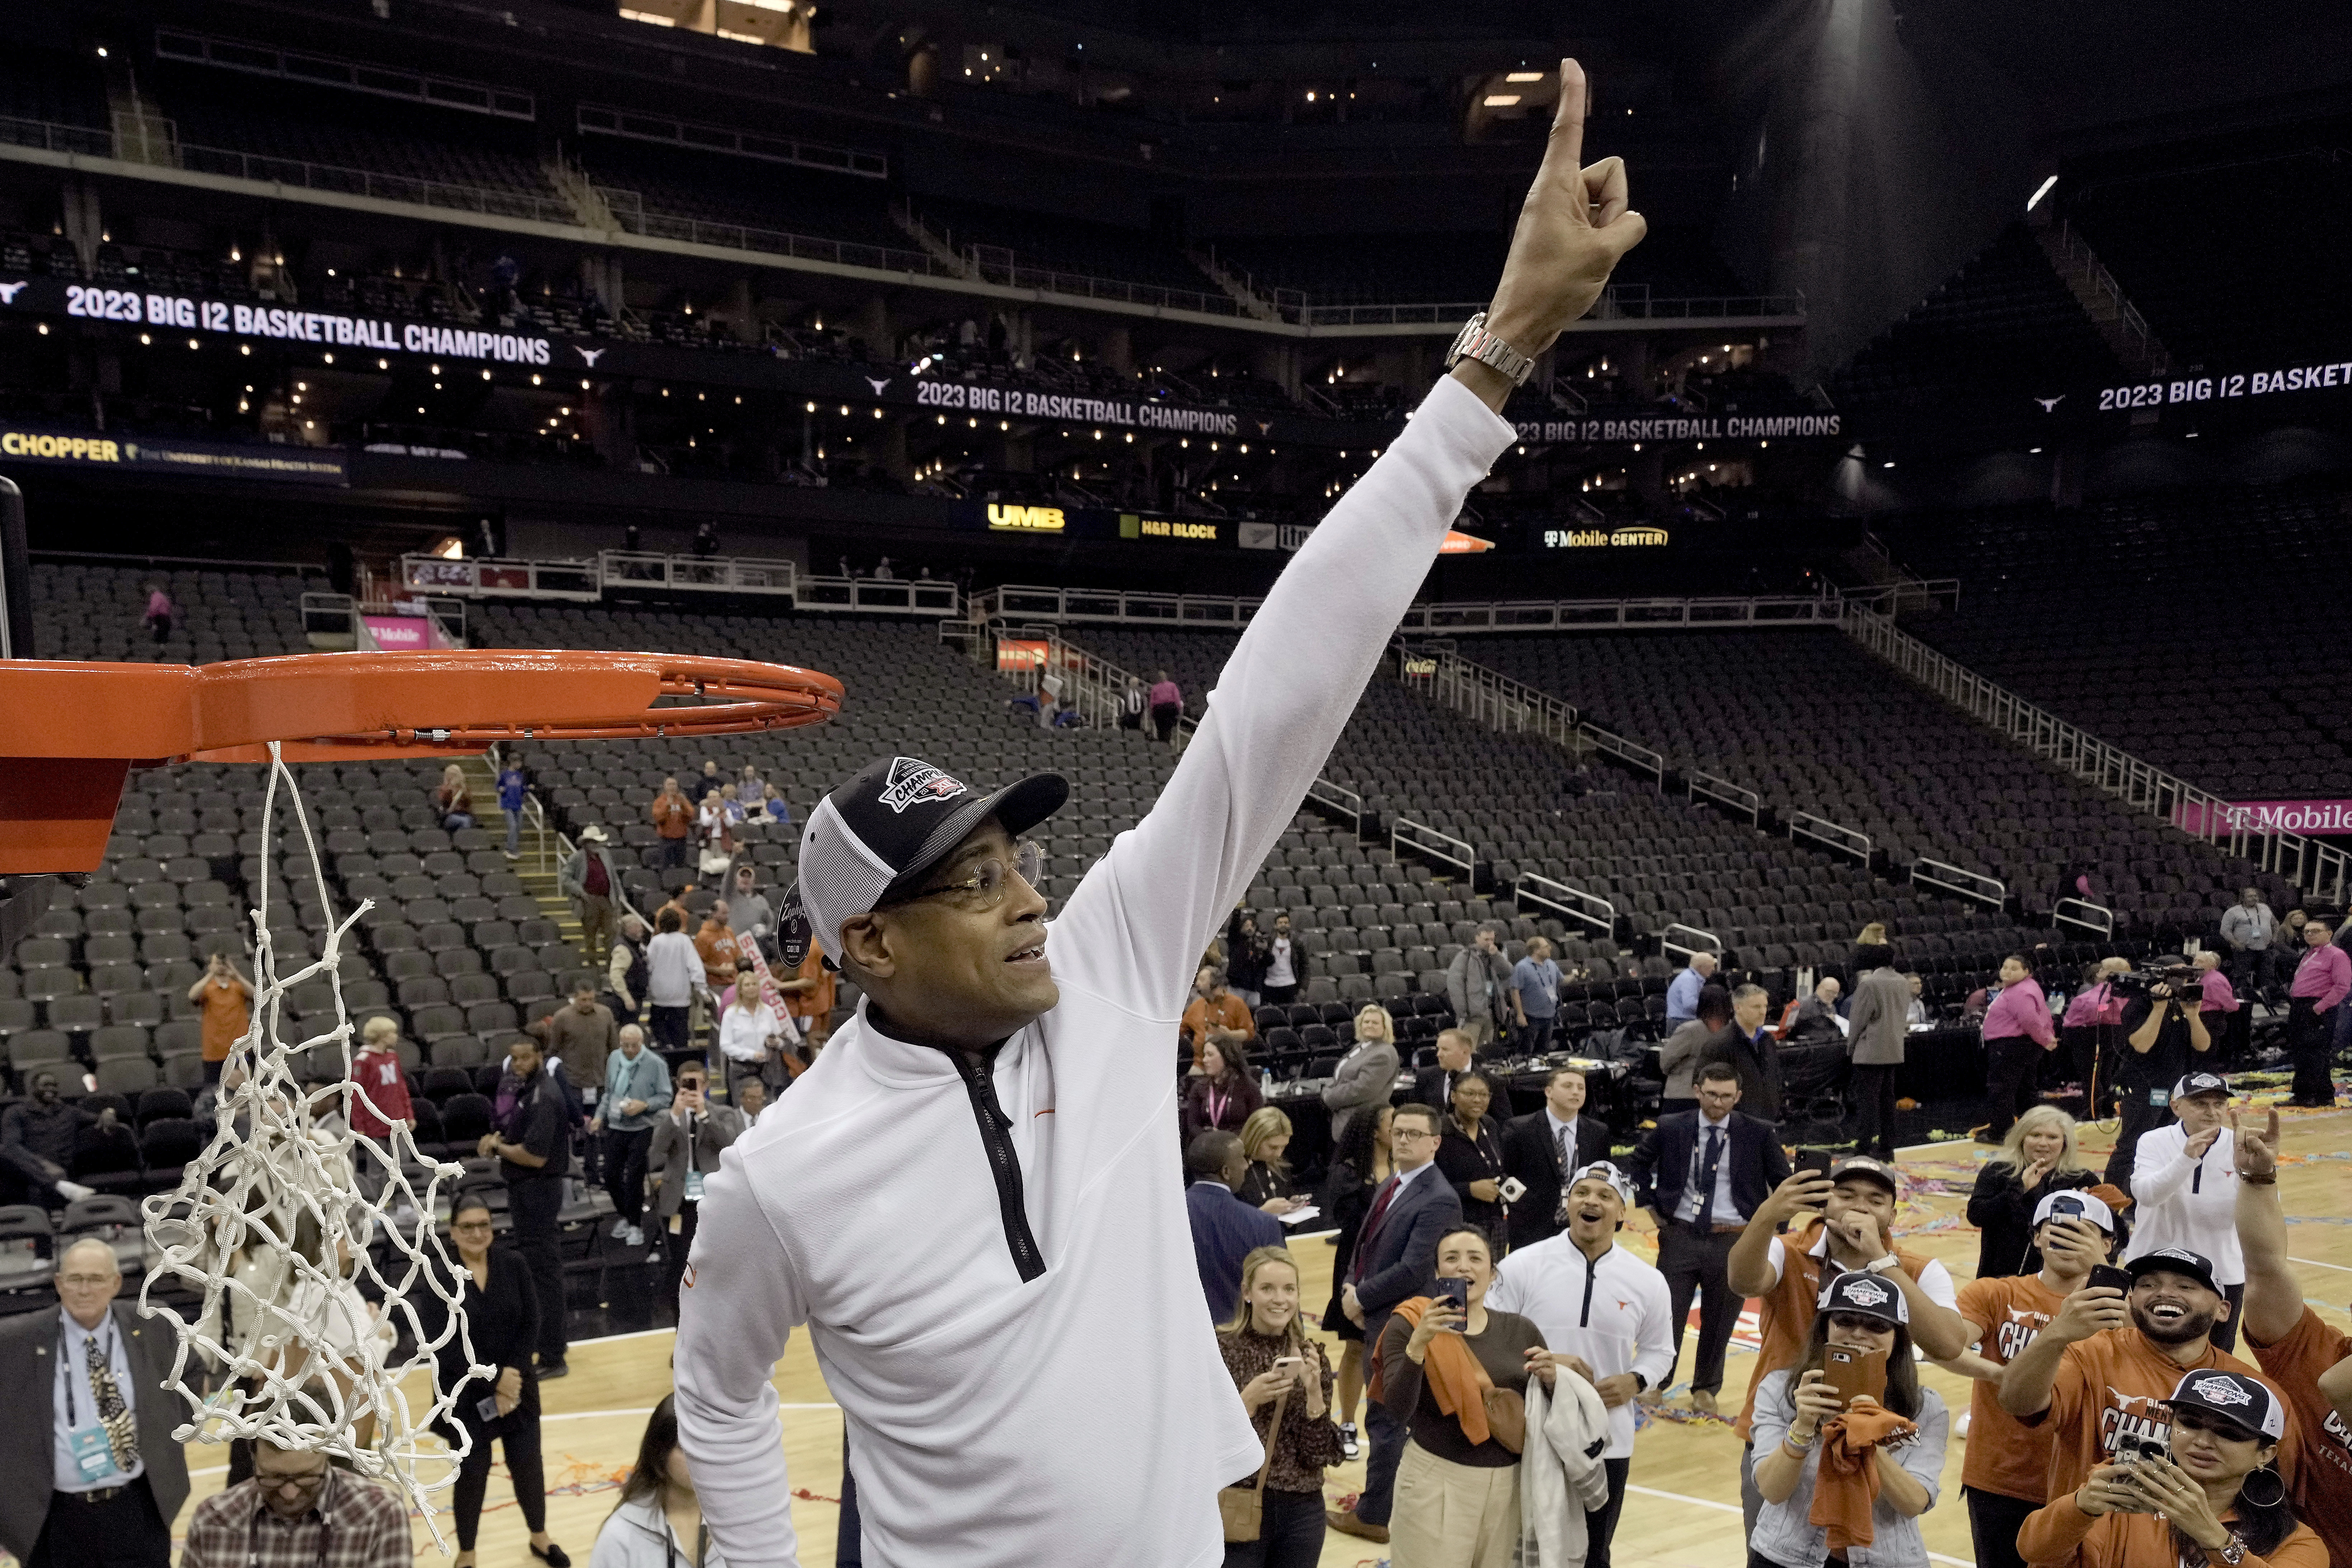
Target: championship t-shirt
{"points": [[2323, 1492], [1785, 1314], [2115, 1383], [2005, 1456]]}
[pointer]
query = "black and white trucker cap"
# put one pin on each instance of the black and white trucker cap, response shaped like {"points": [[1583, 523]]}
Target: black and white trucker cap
{"points": [[878, 835], [2233, 1397]]}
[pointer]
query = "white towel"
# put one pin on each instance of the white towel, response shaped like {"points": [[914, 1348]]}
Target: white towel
{"points": [[1561, 1476]]}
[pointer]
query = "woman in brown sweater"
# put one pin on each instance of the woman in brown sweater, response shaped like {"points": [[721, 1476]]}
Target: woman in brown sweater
{"points": [[1458, 1499], [1267, 1354], [1224, 1096]]}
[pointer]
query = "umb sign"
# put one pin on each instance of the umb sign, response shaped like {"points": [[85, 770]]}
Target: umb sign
{"points": [[2266, 816], [1007, 518]]}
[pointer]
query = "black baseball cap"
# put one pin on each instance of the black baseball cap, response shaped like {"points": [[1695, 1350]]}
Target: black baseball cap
{"points": [[2201, 1083], [2236, 1398], [2174, 1260], [1859, 1291], [1869, 1170], [878, 835]]}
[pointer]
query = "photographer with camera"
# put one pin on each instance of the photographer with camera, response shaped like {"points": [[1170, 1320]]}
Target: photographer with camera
{"points": [[2206, 1494], [2185, 1180], [2098, 1375], [2164, 1041]]}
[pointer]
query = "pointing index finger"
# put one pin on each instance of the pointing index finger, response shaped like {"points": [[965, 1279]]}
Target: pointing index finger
{"points": [[1568, 123]]}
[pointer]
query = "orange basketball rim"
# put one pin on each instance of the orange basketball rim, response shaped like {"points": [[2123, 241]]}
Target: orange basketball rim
{"points": [[73, 732]]}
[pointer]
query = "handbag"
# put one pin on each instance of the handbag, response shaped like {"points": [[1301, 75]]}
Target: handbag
{"points": [[1507, 1411], [1243, 1509]]}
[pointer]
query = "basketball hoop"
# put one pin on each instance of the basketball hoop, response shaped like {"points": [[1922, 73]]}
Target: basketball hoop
{"points": [[75, 730]]}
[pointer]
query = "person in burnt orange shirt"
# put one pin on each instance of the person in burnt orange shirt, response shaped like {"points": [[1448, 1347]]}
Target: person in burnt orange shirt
{"points": [[2307, 1357], [2007, 1462], [1854, 1230], [2205, 1499], [2099, 1375], [1214, 1011]]}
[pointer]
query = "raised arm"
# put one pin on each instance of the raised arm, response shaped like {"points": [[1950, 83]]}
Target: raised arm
{"points": [[1295, 677], [2274, 1295]]}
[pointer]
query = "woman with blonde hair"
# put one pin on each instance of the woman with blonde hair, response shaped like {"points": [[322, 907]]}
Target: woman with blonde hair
{"points": [[1269, 1356], [2037, 1158], [1365, 1076], [452, 800], [1265, 1138]]}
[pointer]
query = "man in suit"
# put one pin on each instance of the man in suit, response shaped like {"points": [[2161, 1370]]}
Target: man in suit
{"points": [[1702, 1175], [1396, 1258], [1542, 1149], [1225, 1230], [1434, 1086], [98, 1484]]}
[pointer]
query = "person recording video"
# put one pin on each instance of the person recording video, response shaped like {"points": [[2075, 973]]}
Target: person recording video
{"points": [[2164, 1041]]}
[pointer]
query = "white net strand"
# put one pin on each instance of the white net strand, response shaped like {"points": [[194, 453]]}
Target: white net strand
{"points": [[270, 1223]]}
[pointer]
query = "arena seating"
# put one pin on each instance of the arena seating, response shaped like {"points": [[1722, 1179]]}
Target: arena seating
{"points": [[1369, 268], [1970, 351], [2062, 607], [1055, 243], [2266, 288], [750, 194], [95, 612], [325, 128], [1811, 722], [1661, 859], [52, 86]]}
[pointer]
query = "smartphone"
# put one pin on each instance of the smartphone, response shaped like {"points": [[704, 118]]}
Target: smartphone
{"points": [[1457, 1291], [1288, 1363], [1852, 1371], [2112, 1277], [1813, 1161], [486, 1408]]}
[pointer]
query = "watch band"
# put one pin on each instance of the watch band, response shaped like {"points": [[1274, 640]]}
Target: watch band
{"points": [[1475, 341]]}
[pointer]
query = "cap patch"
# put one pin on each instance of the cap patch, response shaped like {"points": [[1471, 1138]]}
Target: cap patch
{"points": [[1864, 1292], [915, 782], [2219, 1391]]}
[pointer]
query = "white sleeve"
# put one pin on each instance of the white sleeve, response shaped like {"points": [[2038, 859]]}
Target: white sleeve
{"points": [[1934, 1282], [2158, 1170], [1653, 1336], [740, 1303], [1143, 914], [1503, 1295], [1778, 1258]]}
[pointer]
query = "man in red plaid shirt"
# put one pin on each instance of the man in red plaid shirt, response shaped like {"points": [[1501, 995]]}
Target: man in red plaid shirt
{"points": [[298, 1511]]}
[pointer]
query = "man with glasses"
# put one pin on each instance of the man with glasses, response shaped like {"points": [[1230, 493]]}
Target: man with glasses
{"points": [[298, 1512], [970, 1198], [97, 1484]]}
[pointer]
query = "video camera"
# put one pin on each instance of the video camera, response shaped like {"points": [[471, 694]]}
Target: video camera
{"points": [[2183, 979]]}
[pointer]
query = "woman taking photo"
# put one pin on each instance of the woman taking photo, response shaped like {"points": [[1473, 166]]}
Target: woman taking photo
{"points": [[2037, 1158], [1359, 1166], [1265, 1136], [502, 1322], [1470, 1155], [1858, 1312], [1225, 1097], [657, 1523], [1268, 1356], [1457, 1487], [452, 800], [2212, 1500]]}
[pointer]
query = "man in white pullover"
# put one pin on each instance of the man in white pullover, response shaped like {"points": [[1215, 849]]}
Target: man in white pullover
{"points": [[2185, 1191], [1601, 1307], [973, 1198]]}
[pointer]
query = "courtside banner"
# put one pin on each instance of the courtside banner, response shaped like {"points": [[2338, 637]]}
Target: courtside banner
{"points": [[121, 453], [2266, 816]]}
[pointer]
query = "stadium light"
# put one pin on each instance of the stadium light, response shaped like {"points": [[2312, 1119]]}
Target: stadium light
{"points": [[2040, 191], [1502, 100], [1523, 76]]}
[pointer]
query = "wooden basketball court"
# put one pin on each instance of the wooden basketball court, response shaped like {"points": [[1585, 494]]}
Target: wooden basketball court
{"points": [[1683, 1507]]}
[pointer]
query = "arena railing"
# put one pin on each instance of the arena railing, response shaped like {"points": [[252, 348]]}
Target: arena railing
{"points": [[1433, 844], [596, 578], [1488, 696], [2084, 913], [1732, 797], [2318, 869], [1702, 940], [1831, 835], [84, 140], [1568, 902], [1629, 752], [1620, 303], [1960, 882], [1114, 605]]}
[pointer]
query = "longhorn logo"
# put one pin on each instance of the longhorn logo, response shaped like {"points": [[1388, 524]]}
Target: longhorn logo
{"points": [[878, 386], [590, 355]]}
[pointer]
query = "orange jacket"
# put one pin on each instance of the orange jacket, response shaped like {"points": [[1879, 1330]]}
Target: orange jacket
{"points": [[673, 817], [1453, 1372], [1845, 1488]]}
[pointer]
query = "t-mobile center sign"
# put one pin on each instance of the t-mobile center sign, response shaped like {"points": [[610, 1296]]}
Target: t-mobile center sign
{"points": [[2266, 816]]}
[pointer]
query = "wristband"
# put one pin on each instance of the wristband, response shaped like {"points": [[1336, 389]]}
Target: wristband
{"points": [[1789, 1440], [2269, 1179], [1881, 1265]]}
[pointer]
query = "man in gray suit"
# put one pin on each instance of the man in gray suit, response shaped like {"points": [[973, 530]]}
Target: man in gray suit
{"points": [[1875, 1034], [1395, 1259], [98, 1484], [1365, 1077]]}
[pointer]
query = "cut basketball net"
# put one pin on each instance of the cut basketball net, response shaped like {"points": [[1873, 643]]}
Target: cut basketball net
{"points": [[272, 1225]]}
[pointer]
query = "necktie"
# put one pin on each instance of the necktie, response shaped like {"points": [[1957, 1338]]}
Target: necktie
{"points": [[1371, 1228], [1559, 1148], [1705, 1220], [121, 1436]]}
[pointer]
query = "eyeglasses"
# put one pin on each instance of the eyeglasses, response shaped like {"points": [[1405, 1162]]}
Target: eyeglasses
{"points": [[311, 1482], [86, 1281], [1404, 1134], [990, 881], [473, 1225]]}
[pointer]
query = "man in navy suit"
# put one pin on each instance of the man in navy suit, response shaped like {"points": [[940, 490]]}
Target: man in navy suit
{"points": [[1703, 1174], [1395, 1259], [1225, 1230]]}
